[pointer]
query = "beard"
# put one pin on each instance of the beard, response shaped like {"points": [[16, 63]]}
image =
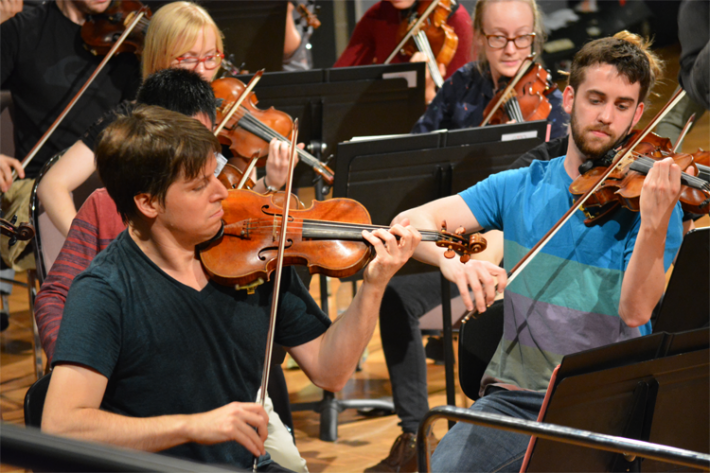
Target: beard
{"points": [[590, 146]]}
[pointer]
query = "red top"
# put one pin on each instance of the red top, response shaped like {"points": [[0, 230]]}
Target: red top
{"points": [[95, 226], [375, 37]]}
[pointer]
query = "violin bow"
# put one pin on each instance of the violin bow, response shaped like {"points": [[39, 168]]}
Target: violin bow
{"points": [[141, 13], [683, 132], [619, 159], [411, 31], [522, 70], [277, 272], [247, 90]]}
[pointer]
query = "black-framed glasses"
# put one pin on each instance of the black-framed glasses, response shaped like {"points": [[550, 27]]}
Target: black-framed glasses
{"points": [[496, 41], [210, 62]]}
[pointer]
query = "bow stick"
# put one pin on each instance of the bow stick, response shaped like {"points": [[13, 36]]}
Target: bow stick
{"points": [[278, 271]]}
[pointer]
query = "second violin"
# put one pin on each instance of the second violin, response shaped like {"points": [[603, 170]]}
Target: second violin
{"points": [[250, 129]]}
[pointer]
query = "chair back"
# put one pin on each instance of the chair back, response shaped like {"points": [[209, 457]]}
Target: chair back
{"points": [[48, 239], [34, 401], [478, 340]]}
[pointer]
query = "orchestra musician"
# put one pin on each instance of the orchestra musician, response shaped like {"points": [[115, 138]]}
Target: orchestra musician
{"points": [[590, 286], [44, 64], [194, 42], [98, 223], [375, 37], [152, 354], [503, 33]]}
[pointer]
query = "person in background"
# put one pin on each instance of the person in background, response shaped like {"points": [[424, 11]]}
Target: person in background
{"points": [[375, 37], [43, 63]]}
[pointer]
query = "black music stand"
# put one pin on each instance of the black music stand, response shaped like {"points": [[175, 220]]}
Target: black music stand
{"points": [[654, 388], [686, 302], [333, 105], [390, 175]]}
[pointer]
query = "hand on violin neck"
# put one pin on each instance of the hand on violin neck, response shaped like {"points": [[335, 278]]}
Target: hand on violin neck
{"points": [[659, 195], [392, 248], [277, 163]]}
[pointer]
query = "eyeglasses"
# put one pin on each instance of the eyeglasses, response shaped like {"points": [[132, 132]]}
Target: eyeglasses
{"points": [[210, 62], [523, 41]]}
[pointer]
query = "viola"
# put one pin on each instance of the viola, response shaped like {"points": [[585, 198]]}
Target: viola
{"points": [[426, 30], [249, 131], [327, 238], [622, 188], [523, 100], [100, 32]]}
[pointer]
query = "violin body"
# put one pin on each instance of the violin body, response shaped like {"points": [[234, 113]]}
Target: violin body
{"points": [[100, 32], [441, 36], [247, 250], [530, 92], [240, 141], [326, 238], [230, 176]]}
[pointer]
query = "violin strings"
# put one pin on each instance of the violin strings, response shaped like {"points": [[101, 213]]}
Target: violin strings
{"points": [[256, 225], [692, 181]]}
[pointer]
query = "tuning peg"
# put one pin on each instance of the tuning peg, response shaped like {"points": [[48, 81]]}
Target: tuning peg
{"points": [[443, 225]]}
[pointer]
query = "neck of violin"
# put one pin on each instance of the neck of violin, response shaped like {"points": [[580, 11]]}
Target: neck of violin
{"points": [[319, 230]]}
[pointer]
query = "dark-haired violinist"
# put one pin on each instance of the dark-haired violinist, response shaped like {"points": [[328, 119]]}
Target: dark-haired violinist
{"points": [[590, 286], [142, 387]]}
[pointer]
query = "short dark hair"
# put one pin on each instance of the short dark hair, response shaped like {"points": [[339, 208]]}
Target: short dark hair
{"points": [[179, 90], [629, 53], [148, 150]]}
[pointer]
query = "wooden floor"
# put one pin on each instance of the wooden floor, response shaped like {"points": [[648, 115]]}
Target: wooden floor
{"points": [[362, 441]]}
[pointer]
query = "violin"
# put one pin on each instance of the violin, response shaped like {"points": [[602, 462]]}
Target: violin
{"points": [[426, 30], [231, 176], [308, 16], [249, 131], [100, 32], [524, 99], [623, 186], [327, 238]]}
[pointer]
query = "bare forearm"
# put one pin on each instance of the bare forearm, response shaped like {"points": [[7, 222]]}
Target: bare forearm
{"points": [[644, 278], [149, 434], [343, 344]]}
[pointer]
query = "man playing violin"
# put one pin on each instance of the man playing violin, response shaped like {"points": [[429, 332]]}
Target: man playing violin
{"points": [[590, 286], [98, 223], [44, 64], [145, 315]]}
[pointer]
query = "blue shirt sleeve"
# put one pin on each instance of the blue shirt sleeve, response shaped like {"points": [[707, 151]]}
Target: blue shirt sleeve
{"points": [[489, 198]]}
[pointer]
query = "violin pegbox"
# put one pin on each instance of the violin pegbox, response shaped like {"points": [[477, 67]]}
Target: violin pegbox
{"points": [[457, 243]]}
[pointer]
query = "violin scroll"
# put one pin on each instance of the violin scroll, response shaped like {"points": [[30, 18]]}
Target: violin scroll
{"points": [[457, 243], [23, 231]]}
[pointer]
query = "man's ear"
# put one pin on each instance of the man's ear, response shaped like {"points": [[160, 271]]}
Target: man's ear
{"points": [[637, 114], [568, 99], [147, 205]]}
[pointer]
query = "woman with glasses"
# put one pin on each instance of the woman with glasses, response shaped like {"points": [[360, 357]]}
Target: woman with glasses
{"points": [[505, 33], [182, 35]]}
